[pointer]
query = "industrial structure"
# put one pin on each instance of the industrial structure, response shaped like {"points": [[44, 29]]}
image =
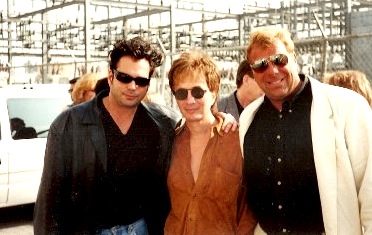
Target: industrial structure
{"points": [[46, 41]]}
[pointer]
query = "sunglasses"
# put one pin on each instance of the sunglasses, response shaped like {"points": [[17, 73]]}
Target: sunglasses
{"points": [[125, 78], [196, 92], [261, 65]]}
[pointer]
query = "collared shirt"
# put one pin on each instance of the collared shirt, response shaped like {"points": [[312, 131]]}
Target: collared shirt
{"points": [[280, 171], [209, 205]]}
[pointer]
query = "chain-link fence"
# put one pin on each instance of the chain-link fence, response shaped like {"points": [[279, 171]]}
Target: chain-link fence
{"points": [[315, 57]]}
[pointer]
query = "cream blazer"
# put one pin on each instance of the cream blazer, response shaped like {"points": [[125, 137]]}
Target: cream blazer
{"points": [[341, 128]]}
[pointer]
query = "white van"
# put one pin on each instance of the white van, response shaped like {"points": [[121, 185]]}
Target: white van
{"points": [[26, 112]]}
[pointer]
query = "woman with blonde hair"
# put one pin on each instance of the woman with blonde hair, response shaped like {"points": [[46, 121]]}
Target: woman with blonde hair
{"points": [[351, 79], [84, 88]]}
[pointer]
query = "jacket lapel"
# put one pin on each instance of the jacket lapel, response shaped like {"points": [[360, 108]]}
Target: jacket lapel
{"points": [[323, 138], [94, 129]]}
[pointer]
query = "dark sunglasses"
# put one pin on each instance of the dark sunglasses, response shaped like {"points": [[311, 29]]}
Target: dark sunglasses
{"points": [[125, 78], [196, 92], [261, 65]]}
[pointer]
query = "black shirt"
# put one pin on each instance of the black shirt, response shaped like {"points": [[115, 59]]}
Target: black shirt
{"points": [[131, 160], [279, 167], [238, 105]]}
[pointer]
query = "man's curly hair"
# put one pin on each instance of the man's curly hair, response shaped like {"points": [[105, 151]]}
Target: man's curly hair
{"points": [[139, 48]]}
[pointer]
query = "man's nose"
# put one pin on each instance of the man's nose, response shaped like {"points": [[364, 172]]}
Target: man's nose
{"points": [[272, 68], [132, 85], [189, 97]]}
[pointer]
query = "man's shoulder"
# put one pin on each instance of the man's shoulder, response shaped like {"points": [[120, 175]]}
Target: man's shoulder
{"points": [[336, 91], [82, 109], [224, 100], [344, 98], [76, 112], [161, 111], [227, 97]]}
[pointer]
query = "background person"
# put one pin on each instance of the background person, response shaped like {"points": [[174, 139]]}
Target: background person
{"points": [[351, 79], [20, 131], [205, 176], [246, 91], [101, 85], [72, 83], [306, 145], [84, 88], [154, 97]]}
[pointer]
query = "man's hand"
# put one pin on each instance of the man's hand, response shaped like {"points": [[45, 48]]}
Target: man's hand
{"points": [[229, 122]]}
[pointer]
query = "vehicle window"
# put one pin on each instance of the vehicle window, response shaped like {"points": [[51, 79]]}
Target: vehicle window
{"points": [[31, 117]]}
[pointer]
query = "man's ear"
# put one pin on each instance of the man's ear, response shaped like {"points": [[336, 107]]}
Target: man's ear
{"points": [[246, 78], [110, 76]]}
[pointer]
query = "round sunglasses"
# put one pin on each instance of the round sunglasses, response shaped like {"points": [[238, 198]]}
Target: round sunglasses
{"points": [[125, 78], [261, 65], [196, 92]]}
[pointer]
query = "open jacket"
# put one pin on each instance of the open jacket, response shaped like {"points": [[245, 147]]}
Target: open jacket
{"points": [[341, 128], [228, 105], [75, 161]]}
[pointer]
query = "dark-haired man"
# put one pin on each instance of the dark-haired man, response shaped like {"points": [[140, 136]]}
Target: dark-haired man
{"points": [[246, 91], [106, 159]]}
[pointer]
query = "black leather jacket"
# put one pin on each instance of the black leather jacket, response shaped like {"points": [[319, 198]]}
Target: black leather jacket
{"points": [[75, 160]]}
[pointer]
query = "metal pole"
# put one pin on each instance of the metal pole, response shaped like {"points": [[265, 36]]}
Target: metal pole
{"points": [[87, 32], [325, 45]]}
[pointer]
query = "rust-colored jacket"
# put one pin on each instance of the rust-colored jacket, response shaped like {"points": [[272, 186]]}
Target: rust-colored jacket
{"points": [[209, 206]]}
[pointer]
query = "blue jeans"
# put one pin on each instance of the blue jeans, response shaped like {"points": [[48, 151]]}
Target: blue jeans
{"points": [[137, 228]]}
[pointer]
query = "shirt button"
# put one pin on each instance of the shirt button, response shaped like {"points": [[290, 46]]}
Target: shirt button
{"points": [[280, 207], [284, 230], [279, 183], [290, 110], [280, 116], [279, 159], [278, 137]]}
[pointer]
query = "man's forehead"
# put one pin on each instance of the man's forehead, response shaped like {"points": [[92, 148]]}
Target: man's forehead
{"points": [[259, 51]]}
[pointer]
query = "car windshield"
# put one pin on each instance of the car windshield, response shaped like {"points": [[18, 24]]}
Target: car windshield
{"points": [[31, 117]]}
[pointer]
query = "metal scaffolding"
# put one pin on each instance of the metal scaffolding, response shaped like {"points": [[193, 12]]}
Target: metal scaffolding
{"points": [[76, 34]]}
